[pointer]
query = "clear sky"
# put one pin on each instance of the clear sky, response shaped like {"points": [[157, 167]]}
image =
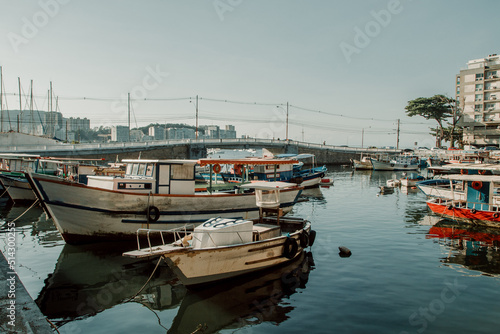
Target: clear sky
{"points": [[346, 68]]}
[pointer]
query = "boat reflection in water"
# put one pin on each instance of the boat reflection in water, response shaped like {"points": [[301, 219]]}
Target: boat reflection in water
{"points": [[474, 247], [243, 301], [91, 278]]}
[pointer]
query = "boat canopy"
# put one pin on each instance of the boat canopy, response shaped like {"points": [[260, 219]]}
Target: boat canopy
{"points": [[164, 161], [266, 185], [466, 177], [296, 156], [247, 161]]}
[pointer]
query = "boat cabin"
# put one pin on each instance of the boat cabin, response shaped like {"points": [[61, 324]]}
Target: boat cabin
{"points": [[151, 176], [482, 192]]}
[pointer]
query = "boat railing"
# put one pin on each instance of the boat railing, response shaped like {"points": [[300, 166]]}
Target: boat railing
{"points": [[177, 233]]}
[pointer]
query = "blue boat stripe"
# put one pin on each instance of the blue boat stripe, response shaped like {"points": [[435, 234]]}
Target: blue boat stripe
{"points": [[165, 213]]}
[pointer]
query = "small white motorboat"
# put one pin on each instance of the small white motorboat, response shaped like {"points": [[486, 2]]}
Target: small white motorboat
{"points": [[223, 248]]}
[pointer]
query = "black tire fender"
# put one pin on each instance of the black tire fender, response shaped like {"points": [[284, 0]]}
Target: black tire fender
{"points": [[290, 248], [153, 214]]}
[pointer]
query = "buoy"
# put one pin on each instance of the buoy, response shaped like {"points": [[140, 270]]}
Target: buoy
{"points": [[344, 251]]}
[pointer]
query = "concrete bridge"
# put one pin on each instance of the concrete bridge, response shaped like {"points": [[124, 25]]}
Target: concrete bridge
{"points": [[193, 149]]}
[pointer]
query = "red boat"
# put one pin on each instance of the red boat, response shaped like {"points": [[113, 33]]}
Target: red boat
{"points": [[482, 204]]}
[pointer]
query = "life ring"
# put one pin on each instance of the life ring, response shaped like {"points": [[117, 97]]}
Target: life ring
{"points": [[312, 237], [216, 168], [153, 214], [473, 211], [464, 171], [290, 248], [304, 239], [495, 215], [476, 185]]}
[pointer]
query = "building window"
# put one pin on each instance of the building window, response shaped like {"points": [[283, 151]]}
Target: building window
{"points": [[478, 107], [479, 87], [458, 90], [479, 76], [458, 80], [478, 118], [479, 97], [489, 106], [491, 75]]}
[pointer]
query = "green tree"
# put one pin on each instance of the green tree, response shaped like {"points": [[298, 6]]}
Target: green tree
{"points": [[439, 108]]}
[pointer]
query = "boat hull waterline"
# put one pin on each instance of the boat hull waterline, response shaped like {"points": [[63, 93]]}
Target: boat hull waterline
{"points": [[465, 215], [83, 213]]}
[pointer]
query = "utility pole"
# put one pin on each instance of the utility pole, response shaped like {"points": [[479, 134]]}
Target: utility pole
{"points": [[287, 121], [196, 116], [397, 142], [362, 136], [129, 117]]}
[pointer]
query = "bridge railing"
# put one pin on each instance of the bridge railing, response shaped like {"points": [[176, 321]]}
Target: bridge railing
{"points": [[172, 142]]}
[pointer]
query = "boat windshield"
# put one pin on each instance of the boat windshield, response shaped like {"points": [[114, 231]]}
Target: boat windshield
{"points": [[140, 169]]}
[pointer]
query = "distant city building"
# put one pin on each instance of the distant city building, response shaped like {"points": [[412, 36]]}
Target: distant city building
{"points": [[138, 135], [119, 133], [228, 133], [478, 93], [157, 132], [181, 133]]}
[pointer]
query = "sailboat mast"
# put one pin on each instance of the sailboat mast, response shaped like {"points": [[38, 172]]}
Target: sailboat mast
{"points": [[31, 110], [19, 117], [1, 100]]}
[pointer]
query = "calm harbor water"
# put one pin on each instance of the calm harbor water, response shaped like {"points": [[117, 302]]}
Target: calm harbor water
{"points": [[404, 276]]}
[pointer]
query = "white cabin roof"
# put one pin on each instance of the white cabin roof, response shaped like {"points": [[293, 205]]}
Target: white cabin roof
{"points": [[167, 161], [466, 177], [264, 185]]}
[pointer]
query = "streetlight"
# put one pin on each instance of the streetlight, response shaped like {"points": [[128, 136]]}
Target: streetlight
{"points": [[286, 118]]}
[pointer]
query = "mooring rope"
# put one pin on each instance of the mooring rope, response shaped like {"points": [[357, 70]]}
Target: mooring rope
{"points": [[149, 279], [22, 214], [6, 189], [55, 327]]}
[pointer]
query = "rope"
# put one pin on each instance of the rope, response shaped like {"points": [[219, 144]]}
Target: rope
{"points": [[55, 327], [22, 214], [149, 279], [7, 189]]}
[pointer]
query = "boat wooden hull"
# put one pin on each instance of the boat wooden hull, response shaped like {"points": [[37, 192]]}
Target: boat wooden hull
{"points": [[465, 215], [203, 266], [82, 213], [17, 189]]}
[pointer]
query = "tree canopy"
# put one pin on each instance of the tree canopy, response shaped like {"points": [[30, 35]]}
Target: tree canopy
{"points": [[439, 108]]}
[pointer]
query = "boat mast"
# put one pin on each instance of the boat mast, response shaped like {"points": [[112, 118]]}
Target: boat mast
{"points": [[1, 100], [19, 116], [31, 110]]}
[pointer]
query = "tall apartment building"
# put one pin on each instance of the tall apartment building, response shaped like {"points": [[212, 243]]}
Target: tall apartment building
{"points": [[478, 94], [120, 133]]}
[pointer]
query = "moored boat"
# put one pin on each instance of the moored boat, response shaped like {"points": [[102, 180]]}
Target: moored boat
{"points": [[401, 163], [481, 205], [221, 248], [153, 193], [364, 163]]}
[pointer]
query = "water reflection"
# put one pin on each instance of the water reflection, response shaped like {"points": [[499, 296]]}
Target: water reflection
{"points": [[92, 278], [30, 220], [242, 302], [473, 247], [314, 195]]}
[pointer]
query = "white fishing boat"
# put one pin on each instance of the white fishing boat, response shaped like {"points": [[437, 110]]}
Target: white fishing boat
{"points": [[224, 248], [411, 180], [442, 188], [152, 194], [403, 162]]}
